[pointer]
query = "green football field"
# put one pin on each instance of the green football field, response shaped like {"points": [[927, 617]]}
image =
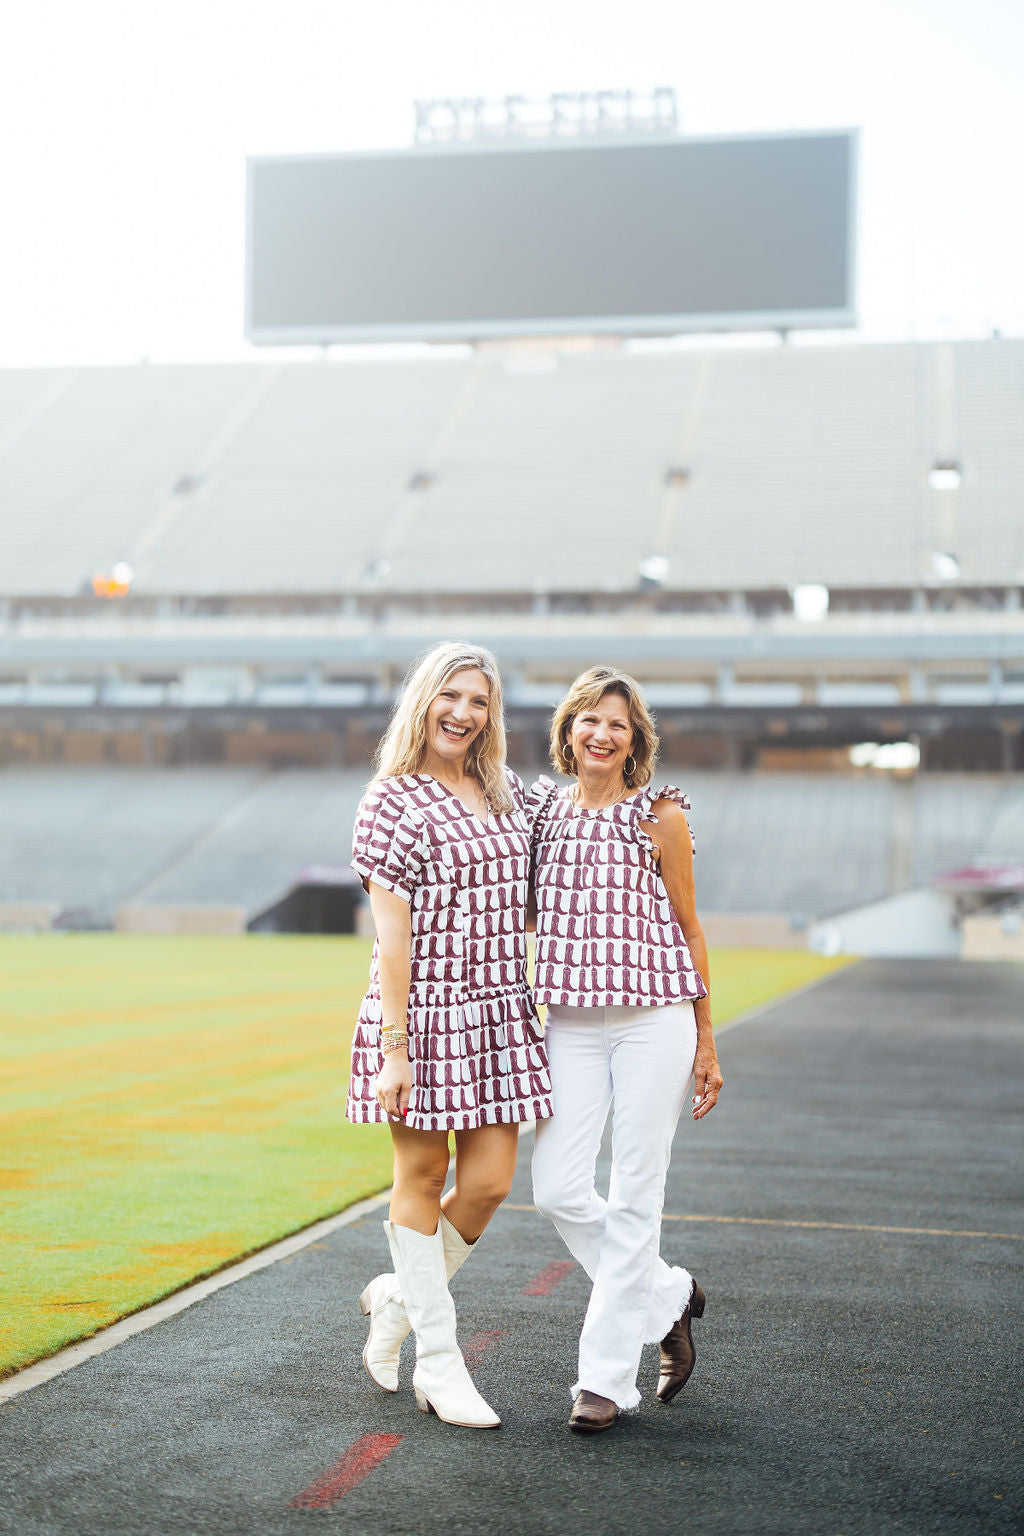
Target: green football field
{"points": [[170, 1104]]}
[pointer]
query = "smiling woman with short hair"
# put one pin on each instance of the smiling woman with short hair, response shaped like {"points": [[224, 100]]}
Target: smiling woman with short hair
{"points": [[448, 1038], [622, 965]]}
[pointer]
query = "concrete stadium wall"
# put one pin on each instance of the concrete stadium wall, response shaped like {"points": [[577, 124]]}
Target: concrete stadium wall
{"points": [[914, 925], [988, 936], [180, 919], [752, 930], [16, 916]]}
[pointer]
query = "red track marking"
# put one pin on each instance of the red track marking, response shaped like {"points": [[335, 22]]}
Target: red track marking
{"points": [[475, 1349], [544, 1283], [358, 1462]]}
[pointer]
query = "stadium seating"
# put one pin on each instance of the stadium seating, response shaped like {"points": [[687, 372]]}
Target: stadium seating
{"points": [[963, 819], [286, 822], [490, 479], [749, 469], [91, 838], [802, 845]]}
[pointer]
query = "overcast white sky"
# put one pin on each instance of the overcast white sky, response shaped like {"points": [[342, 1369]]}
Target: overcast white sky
{"points": [[124, 127]]}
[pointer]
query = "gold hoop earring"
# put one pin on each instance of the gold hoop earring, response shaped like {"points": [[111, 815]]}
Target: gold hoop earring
{"points": [[630, 771]]}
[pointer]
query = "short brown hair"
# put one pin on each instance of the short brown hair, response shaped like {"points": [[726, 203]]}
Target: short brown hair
{"points": [[587, 691]]}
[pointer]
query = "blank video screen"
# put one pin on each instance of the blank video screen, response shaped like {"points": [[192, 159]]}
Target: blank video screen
{"points": [[633, 237]]}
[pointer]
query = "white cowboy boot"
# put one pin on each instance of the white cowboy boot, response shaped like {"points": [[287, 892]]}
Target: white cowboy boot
{"points": [[389, 1322], [441, 1381]]}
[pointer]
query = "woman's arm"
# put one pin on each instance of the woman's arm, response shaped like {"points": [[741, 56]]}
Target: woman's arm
{"points": [[393, 920], [671, 837]]}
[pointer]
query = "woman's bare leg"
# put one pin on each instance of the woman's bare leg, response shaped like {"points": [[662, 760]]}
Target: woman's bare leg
{"points": [[421, 1169], [416, 1237], [485, 1162]]}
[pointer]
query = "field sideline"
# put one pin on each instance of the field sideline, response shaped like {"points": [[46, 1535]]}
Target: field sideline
{"points": [[172, 1104]]}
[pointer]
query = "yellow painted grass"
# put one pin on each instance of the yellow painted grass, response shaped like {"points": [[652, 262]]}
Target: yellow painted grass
{"points": [[170, 1104]]}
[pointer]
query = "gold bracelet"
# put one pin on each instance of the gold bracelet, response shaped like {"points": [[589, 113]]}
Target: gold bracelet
{"points": [[392, 1042]]}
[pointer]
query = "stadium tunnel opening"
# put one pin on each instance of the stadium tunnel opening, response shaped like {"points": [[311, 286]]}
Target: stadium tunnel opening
{"points": [[321, 900]]}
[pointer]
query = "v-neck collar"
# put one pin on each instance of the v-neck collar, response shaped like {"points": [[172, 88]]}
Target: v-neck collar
{"points": [[480, 821]]}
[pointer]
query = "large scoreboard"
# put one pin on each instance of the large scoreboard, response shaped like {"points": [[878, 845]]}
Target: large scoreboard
{"points": [[640, 236]]}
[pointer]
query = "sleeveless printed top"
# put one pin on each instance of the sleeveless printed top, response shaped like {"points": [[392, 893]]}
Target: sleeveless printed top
{"points": [[607, 935]]}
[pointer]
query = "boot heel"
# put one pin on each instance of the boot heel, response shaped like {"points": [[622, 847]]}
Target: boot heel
{"points": [[364, 1302], [421, 1401], [697, 1304]]}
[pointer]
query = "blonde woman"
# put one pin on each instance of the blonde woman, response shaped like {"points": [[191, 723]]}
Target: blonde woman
{"points": [[623, 967], [448, 1038]]}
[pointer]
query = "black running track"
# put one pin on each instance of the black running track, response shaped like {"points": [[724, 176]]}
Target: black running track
{"points": [[859, 1231]]}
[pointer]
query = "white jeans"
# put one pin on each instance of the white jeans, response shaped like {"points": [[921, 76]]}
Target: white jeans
{"points": [[638, 1062]]}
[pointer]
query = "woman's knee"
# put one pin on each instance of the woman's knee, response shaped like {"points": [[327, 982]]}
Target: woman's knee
{"points": [[484, 1188], [423, 1171]]}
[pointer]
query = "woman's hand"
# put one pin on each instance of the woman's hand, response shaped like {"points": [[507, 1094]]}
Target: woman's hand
{"points": [[394, 1085], [707, 1078]]}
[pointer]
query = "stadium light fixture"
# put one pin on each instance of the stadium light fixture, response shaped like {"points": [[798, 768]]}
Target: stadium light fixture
{"points": [[117, 584], [945, 566], [891, 756], [810, 602], [945, 475], [653, 570], [900, 756]]}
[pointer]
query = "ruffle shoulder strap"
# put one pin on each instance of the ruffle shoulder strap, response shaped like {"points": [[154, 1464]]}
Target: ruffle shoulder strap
{"points": [[643, 812], [539, 800]]}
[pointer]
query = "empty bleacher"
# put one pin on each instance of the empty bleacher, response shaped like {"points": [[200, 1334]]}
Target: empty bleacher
{"points": [[286, 822], [89, 838], [801, 845], [964, 819], [745, 469]]}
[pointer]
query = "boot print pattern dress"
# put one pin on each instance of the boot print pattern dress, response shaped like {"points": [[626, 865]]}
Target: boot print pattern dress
{"points": [[475, 1044]]}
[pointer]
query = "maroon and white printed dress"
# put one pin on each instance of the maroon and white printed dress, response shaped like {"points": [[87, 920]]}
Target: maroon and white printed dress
{"points": [[607, 935], [475, 1045]]}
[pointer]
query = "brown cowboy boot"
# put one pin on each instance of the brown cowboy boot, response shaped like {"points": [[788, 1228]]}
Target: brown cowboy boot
{"points": [[591, 1412], [678, 1355]]}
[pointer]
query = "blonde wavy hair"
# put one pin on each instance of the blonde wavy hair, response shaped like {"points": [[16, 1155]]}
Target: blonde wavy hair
{"points": [[404, 743], [586, 693]]}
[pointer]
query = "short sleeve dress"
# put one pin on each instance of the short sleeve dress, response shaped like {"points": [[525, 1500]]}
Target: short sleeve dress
{"points": [[607, 935], [475, 1045]]}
